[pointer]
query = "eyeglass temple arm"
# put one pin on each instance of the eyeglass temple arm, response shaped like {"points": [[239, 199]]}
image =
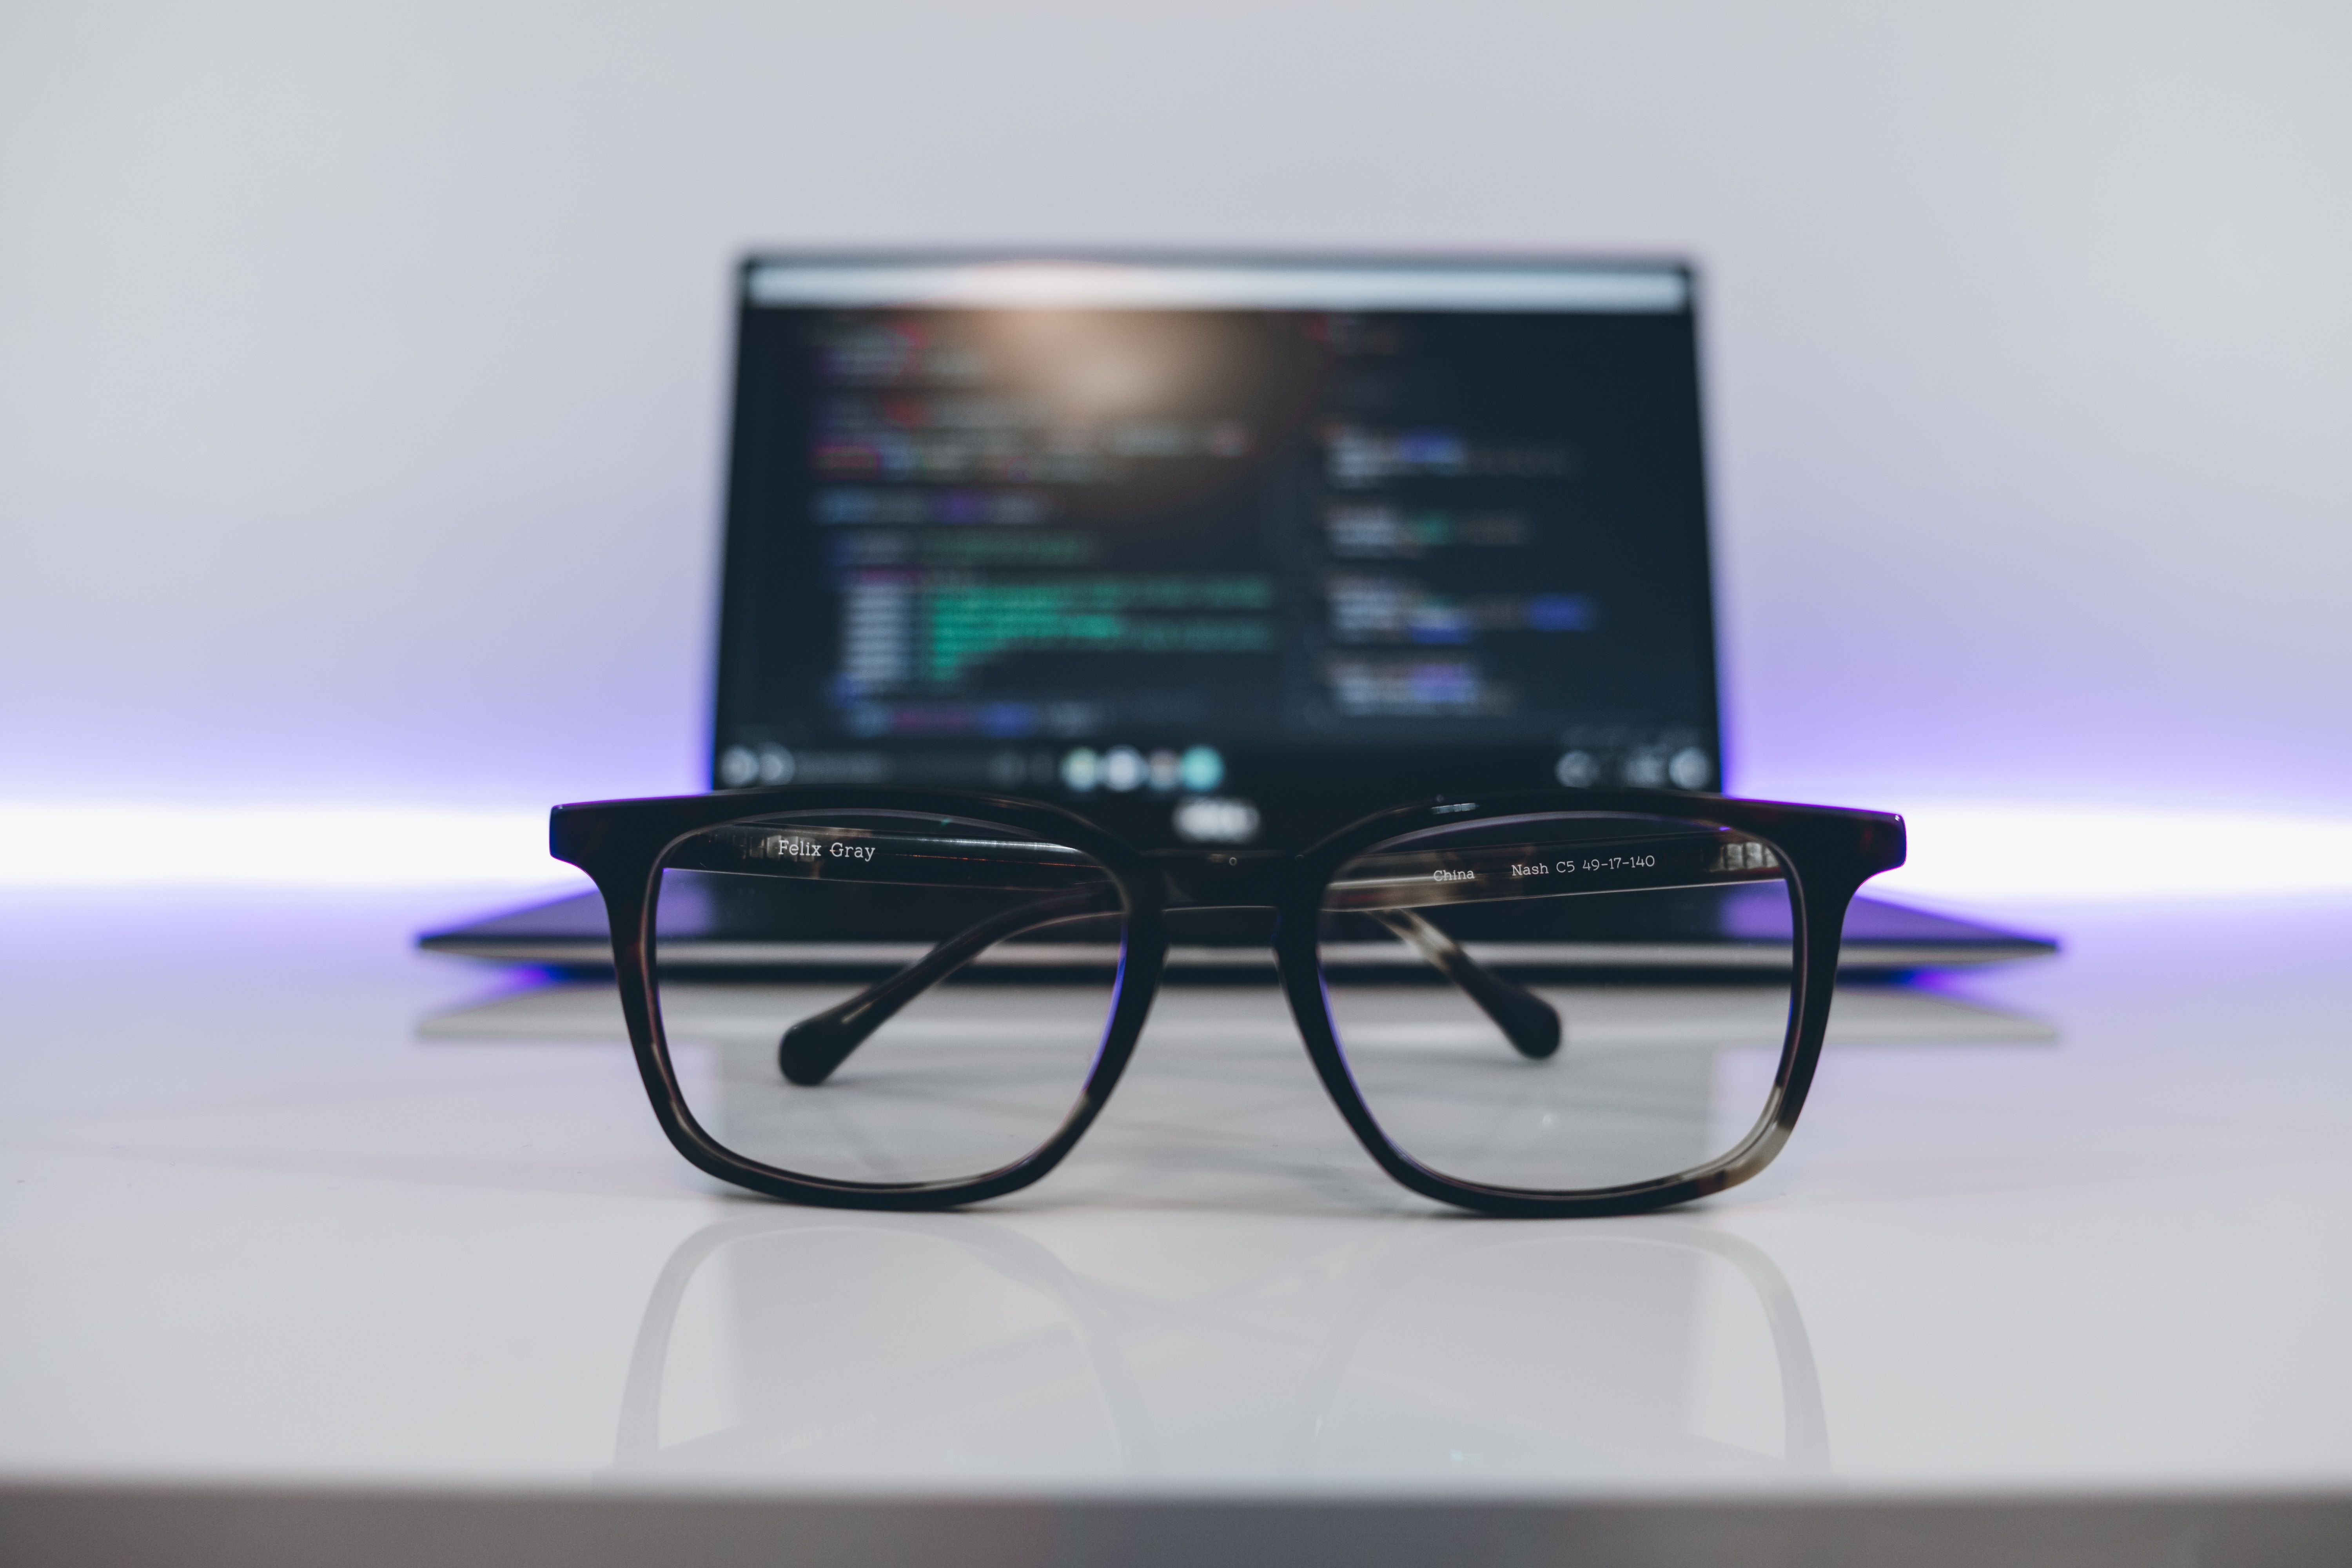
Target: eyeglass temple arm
{"points": [[1531, 1024], [812, 1048]]}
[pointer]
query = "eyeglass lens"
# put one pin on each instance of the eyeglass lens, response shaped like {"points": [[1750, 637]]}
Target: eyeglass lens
{"points": [[937, 1076], [1617, 1066]]}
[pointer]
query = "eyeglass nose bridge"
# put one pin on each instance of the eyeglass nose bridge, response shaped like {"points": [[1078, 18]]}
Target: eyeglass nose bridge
{"points": [[1221, 878]]}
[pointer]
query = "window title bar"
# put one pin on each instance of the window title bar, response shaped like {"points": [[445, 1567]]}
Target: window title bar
{"points": [[1214, 286]]}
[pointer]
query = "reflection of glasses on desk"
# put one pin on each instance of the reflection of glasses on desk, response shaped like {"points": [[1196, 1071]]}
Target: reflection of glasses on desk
{"points": [[1643, 1347], [1477, 1092]]}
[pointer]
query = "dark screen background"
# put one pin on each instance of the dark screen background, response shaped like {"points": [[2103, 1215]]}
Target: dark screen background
{"points": [[1351, 556]]}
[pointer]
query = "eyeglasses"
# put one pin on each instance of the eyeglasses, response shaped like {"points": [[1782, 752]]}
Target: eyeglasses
{"points": [[1641, 1084]]}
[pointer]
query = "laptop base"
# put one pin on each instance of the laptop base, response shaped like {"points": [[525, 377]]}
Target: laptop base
{"points": [[1740, 936]]}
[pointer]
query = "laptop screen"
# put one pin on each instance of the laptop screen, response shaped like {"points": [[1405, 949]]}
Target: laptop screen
{"points": [[1215, 550]]}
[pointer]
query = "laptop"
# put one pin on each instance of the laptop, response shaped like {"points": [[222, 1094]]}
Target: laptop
{"points": [[1217, 550]]}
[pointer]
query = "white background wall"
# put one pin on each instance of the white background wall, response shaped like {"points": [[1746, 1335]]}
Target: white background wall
{"points": [[362, 367]]}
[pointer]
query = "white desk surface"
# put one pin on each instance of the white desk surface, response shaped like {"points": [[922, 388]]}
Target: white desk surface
{"points": [[289, 1208]]}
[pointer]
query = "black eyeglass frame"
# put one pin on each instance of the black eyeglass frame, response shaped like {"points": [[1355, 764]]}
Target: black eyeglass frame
{"points": [[1826, 854]]}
